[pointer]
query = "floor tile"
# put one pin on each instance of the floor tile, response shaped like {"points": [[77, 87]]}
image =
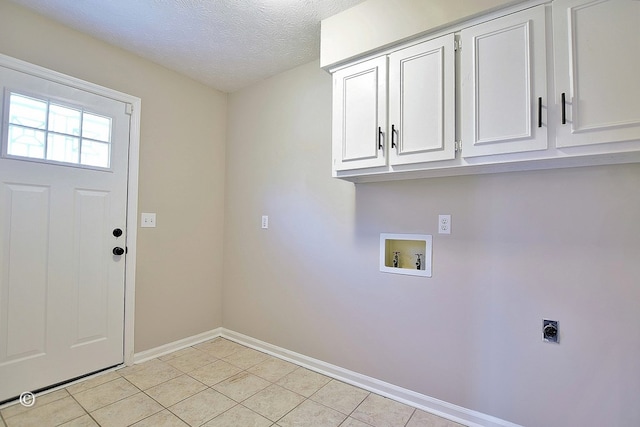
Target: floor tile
{"points": [[273, 402], [41, 400], [191, 361], [153, 375], [83, 421], [272, 369], [93, 382], [2, 424], [241, 386], [220, 347], [173, 391], [178, 353], [352, 422], [105, 394], [382, 412], [303, 381], [425, 419], [51, 414], [128, 370], [239, 416], [246, 358], [161, 419], [202, 407], [310, 413], [215, 372], [127, 411], [340, 396]]}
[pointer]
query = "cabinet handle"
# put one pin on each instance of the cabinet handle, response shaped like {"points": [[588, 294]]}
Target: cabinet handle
{"points": [[379, 138], [540, 112], [393, 134], [564, 109]]}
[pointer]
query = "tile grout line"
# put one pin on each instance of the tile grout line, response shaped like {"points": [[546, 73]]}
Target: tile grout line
{"points": [[143, 392], [111, 403], [410, 416], [273, 383], [166, 408], [83, 408], [179, 417], [291, 410], [357, 406], [6, 419]]}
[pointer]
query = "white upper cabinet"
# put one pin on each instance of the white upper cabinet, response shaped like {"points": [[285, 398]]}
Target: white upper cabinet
{"points": [[597, 60], [420, 107], [552, 85], [422, 102], [504, 85], [360, 115]]}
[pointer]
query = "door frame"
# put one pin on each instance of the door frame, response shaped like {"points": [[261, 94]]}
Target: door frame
{"points": [[132, 179]]}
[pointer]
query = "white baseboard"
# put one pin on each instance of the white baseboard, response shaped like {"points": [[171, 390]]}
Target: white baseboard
{"points": [[143, 356], [443, 409], [438, 407]]}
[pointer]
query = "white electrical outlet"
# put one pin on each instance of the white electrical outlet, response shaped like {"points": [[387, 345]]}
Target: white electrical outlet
{"points": [[147, 220], [265, 221], [444, 224]]}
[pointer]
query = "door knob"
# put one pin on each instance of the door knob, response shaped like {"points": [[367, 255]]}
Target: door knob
{"points": [[118, 251], [117, 232]]}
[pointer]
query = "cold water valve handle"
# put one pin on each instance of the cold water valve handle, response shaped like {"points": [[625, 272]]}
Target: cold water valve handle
{"points": [[419, 262]]}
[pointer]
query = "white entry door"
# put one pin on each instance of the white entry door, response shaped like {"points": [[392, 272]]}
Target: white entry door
{"points": [[63, 206]]}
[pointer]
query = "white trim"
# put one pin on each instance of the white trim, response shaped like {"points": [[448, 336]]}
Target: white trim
{"points": [[132, 180], [132, 232], [143, 356], [443, 409]]}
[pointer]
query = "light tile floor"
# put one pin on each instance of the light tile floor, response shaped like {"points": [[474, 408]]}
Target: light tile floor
{"points": [[218, 383]]}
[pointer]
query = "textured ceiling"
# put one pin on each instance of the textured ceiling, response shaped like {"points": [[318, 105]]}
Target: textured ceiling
{"points": [[226, 44]]}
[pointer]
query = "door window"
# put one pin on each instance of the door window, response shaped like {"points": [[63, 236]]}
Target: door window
{"points": [[47, 130]]}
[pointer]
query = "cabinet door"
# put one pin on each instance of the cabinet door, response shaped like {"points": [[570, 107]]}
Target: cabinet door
{"points": [[359, 115], [422, 102], [597, 58], [504, 85]]}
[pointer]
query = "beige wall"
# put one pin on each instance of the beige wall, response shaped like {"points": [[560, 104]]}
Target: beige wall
{"points": [[562, 244], [179, 263], [377, 23]]}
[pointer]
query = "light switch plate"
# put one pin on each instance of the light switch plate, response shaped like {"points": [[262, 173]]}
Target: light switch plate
{"points": [[147, 220]]}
